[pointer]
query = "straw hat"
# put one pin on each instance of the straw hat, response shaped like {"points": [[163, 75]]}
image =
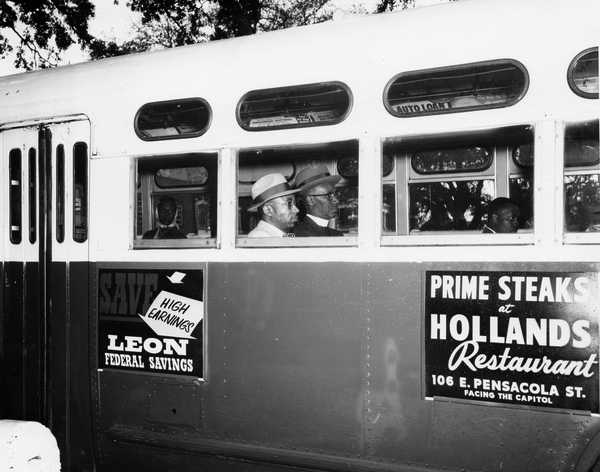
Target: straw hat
{"points": [[313, 176], [268, 188]]}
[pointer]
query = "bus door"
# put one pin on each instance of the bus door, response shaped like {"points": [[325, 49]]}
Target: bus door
{"points": [[44, 317]]}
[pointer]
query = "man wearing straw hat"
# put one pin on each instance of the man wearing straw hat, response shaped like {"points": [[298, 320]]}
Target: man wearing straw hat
{"points": [[273, 198], [317, 187]]}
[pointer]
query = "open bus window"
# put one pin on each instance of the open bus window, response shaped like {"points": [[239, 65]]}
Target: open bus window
{"points": [[328, 206], [467, 87], [444, 184], [583, 74], [176, 201], [581, 180], [299, 106], [173, 119]]}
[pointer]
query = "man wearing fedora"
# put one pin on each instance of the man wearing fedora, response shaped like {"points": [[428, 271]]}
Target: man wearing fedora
{"points": [[273, 198], [317, 187]]}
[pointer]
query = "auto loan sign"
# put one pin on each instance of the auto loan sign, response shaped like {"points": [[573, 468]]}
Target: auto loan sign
{"points": [[520, 338], [151, 321]]}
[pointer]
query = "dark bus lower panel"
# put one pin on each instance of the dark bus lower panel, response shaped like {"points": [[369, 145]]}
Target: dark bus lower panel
{"points": [[310, 366], [345, 366]]}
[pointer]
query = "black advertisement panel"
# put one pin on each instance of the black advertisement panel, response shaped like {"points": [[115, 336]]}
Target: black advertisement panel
{"points": [[519, 338], [151, 321]]}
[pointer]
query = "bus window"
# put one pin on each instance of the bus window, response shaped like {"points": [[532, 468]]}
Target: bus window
{"points": [[60, 193], [299, 106], [445, 183], [581, 180], [80, 191], [583, 74], [32, 195], [173, 119], [15, 196], [467, 87], [328, 206], [176, 201]]}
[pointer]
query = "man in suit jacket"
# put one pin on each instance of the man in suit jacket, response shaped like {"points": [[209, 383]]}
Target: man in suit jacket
{"points": [[317, 191]]}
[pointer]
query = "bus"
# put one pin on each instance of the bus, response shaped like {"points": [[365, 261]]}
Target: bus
{"points": [[415, 341]]}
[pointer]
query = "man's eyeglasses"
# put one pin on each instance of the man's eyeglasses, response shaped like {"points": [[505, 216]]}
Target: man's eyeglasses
{"points": [[330, 195]]}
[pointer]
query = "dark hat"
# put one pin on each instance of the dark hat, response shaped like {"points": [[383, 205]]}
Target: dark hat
{"points": [[268, 188], [313, 176]]}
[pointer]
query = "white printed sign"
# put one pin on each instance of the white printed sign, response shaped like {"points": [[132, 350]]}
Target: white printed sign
{"points": [[173, 315]]}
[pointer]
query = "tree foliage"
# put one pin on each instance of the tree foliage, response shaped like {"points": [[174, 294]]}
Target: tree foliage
{"points": [[173, 23], [391, 5], [39, 31], [168, 23]]}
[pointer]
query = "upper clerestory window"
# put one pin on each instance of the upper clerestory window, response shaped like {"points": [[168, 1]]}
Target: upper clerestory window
{"points": [[583, 74], [173, 119], [300, 106], [467, 87]]}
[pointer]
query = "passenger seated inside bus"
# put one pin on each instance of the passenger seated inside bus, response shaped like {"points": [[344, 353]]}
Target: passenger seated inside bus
{"points": [[593, 218], [503, 216], [328, 174], [320, 200], [165, 216], [273, 198]]}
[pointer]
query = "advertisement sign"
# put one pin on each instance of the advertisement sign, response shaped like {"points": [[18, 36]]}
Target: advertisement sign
{"points": [[151, 321], [519, 338]]}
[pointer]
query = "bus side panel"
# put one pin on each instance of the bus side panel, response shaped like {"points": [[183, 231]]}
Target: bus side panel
{"points": [[283, 376], [402, 424], [322, 365], [284, 354], [79, 364], [33, 336], [22, 345], [70, 392], [11, 404], [3, 391], [14, 404]]}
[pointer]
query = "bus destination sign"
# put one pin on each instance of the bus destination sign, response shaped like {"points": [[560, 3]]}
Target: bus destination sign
{"points": [[519, 338]]}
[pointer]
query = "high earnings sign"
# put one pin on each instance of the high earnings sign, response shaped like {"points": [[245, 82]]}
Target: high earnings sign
{"points": [[151, 321], [521, 338]]}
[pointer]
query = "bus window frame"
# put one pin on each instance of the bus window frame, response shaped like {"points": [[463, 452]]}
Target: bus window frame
{"points": [[140, 134], [80, 182], [301, 242], [573, 237], [15, 196], [283, 89], [404, 174], [32, 180], [348, 240], [149, 190], [570, 79], [455, 68]]}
